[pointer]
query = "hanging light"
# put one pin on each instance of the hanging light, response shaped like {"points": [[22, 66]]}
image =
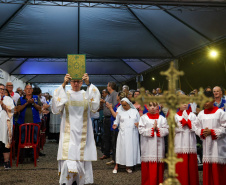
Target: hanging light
{"points": [[213, 54]]}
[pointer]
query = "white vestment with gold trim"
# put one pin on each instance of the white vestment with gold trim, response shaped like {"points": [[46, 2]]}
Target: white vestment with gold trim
{"points": [[76, 144]]}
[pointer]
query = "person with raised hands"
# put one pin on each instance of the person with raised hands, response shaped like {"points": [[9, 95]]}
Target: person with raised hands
{"points": [[152, 128], [76, 145]]}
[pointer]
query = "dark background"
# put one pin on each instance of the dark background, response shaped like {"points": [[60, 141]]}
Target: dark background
{"points": [[200, 71]]}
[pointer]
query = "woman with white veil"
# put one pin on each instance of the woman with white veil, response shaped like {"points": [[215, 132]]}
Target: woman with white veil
{"points": [[127, 149]]}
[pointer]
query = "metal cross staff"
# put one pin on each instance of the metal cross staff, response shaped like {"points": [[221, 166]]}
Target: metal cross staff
{"points": [[172, 101]]}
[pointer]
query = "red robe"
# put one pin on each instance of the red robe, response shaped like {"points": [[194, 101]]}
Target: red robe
{"points": [[185, 147], [152, 148]]}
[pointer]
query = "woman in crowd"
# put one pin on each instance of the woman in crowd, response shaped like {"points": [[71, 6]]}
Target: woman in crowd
{"points": [[127, 149], [6, 124], [114, 132], [136, 104]]}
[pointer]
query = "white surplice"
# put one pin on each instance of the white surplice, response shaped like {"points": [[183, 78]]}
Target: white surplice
{"points": [[185, 138], [6, 122], [152, 143], [76, 145], [214, 150], [185, 148], [127, 147], [193, 107], [214, 145]]}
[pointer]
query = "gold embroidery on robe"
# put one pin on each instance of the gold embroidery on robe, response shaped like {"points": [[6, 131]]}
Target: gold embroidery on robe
{"points": [[84, 129], [66, 139], [66, 134], [68, 177]]}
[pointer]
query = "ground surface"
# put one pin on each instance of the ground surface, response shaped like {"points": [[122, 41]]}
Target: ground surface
{"points": [[46, 172]]}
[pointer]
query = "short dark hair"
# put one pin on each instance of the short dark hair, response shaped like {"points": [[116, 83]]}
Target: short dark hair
{"points": [[208, 87], [153, 103], [112, 85], [36, 91], [27, 85], [135, 91], [209, 94], [121, 95], [7, 92], [2, 84], [191, 93]]}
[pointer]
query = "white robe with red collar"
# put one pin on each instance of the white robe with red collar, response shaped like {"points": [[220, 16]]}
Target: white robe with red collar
{"points": [[152, 142], [185, 147], [214, 146], [152, 148], [185, 138]]}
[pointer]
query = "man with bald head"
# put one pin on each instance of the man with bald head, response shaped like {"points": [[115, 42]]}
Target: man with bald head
{"points": [[29, 107], [19, 91], [218, 94], [15, 96]]}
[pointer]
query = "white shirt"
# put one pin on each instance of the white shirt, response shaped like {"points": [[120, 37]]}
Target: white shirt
{"points": [[15, 97], [43, 100]]}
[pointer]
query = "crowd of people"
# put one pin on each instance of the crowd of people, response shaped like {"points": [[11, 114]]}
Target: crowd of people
{"points": [[131, 134], [140, 135], [23, 106]]}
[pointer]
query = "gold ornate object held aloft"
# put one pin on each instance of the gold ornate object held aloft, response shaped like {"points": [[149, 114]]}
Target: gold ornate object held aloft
{"points": [[172, 101]]}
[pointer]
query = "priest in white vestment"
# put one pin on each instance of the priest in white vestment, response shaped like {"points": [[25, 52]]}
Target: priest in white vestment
{"points": [[76, 145], [127, 148]]}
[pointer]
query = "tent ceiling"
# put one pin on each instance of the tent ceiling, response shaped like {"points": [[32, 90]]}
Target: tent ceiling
{"points": [[121, 39]]}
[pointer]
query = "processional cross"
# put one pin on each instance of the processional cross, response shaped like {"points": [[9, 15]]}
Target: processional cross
{"points": [[172, 101]]}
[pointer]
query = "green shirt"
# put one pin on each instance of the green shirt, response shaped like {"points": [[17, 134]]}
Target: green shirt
{"points": [[28, 118]]}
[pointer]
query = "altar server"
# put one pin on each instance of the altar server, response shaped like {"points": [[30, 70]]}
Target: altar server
{"points": [[185, 146], [211, 127], [152, 127]]}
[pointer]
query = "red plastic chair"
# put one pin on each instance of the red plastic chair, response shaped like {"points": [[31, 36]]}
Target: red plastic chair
{"points": [[29, 139]]}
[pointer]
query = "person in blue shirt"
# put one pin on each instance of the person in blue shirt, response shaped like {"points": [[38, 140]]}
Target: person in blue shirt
{"points": [[29, 107], [218, 96]]}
